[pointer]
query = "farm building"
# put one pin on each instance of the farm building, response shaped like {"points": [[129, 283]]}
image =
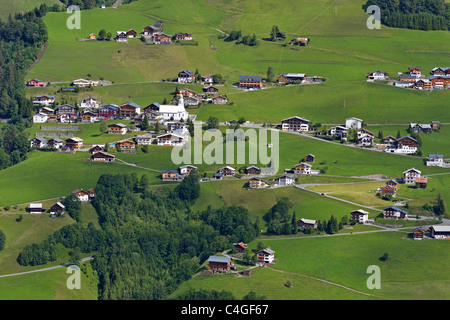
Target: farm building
{"points": [[307, 223], [103, 156], [220, 264], [395, 213], [440, 232]]}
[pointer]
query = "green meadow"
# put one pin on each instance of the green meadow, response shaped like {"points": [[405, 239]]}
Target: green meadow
{"points": [[414, 270]]}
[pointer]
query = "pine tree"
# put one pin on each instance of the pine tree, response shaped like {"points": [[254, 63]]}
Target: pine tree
{"points": [[294, 224]]}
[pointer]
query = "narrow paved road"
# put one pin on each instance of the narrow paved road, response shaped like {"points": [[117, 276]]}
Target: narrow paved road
{"points": [[44, 269]]}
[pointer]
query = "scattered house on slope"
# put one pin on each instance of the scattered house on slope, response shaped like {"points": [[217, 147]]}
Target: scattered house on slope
{"points": [[377, 75], [265, 256], [410, 175], [395, 213], [360, 216], [418, 233], [440, 232], [257, 183], [285, 180], [36, 208], [250, 82], [291, 77], [103, 157], [57, 209], [307, 223], [353, 123], [220, 264], [117, 128], [81, 195], [74, 143], [296, 124], [186, 76]]}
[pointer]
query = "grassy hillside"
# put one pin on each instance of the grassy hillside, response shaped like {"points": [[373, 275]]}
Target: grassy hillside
{"points": [[342, 49], [8, 7]]}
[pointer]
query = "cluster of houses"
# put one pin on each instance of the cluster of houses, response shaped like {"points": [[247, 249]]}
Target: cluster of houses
{"points": [[90, 110], [210, 95], [222, 264], [411, 176], [413, 78], [154, 32]]}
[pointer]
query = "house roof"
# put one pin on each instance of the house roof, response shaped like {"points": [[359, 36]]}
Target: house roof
{"points": [[396, 209], [421, 180], [219, 259], [252, 167], [267, 250], [441, 228], [118, 125], [309, 221], [36, 205], [296, 117], [412, 169], [435, 155], [130, 103], [169, 171], [246, 78], [294, 75], [406, 137], [360, 211]]}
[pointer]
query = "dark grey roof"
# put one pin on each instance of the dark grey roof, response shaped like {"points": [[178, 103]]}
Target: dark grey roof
{"points": [[396, 209], [245, 78], [218, 259]]}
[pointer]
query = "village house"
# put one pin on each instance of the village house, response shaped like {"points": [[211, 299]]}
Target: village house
{"points": [[310, 158], [360, 216], [36, 83], [91, 194], [130, 109], [423, 84], [57, 209], [40, 118], [36, 208], [435, 159], [109, 111], [250, 82], [435, 125], [410, 175], [404, 84], [55, 143], [410, 80], [82, 195], [257, 183], [210, 89], [121, 37], [187, 93], [306, 223], [38, 142], [183, 36], [377, 75], [96, 148], [388, 190], [418, 233], [74, 143], [405, 145], [103, 157], [392, 183], [92, 36], [353, 123], [170, 175], [300, 42], [440, 232], [265, 256], [291, 77], [83, 83], [420, 127], [219, 100], [303, 168], [192, 101], [208, 79], [363, 133], [45, 100], [186, 76], [285, 180], [296, 124], [48, 111], [438, 71], [144, 139], [253, 170], [389, 141], [150, 30], [131, 33], [439, 82], [187, 169], [66, 109], [395, 213], [415, 72], [117, 128], [170, 139], [153, 107], [421, 183], [220, 264], [90, 102], [126, 144], [240, 247], [161, 38], [227, 171], [339, 132], [89, 116]]}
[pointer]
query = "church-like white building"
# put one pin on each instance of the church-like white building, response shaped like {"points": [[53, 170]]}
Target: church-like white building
{"points": [[173, 112]]}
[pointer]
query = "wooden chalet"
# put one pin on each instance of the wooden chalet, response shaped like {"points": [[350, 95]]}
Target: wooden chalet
{"points": [[210, 89], [440, 71], [130, 109], [296, 124], [410, 175], [154, 107], [306, 223], [170, 175], [291, 77], [257, 183], [418, 233], [169, 139], [388, 190], [421, 183], [395, 213], [121, 36], [131, 33], [435, 125], [392, 183], [407, 144], [126, 144], [440, 232], [109, 111], [415, 72], [310, 158], [144, 139], [150, 30], [227, 171], [46, 100], [96, 149], [103, 156], [57, 209], [74, 143], [285, 180], [91, 194], [161, 38], [187, 169], [55, 143], [265, 256], [240, 247], [36, 208], [186, 76], [360, 216], [252, 170], [389, 140], [81, 194], [250, 82], [220, 264], [219, 100], [303, 168], [117, 128]]}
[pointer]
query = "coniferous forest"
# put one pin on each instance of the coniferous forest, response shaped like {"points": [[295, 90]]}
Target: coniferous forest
{"points": [[414, 14]]}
